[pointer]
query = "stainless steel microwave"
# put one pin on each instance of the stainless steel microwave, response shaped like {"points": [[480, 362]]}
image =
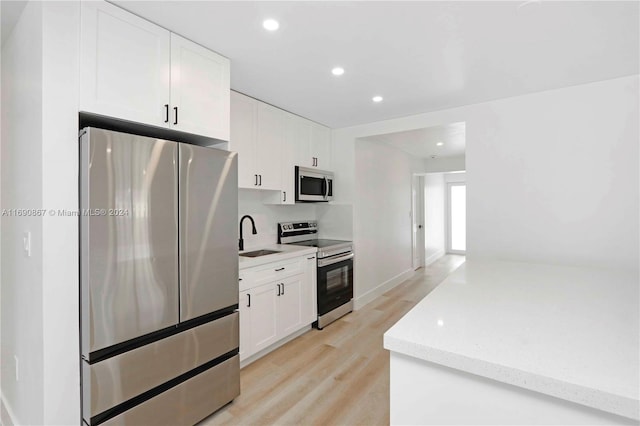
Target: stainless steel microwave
{"points": [[313, 185]]}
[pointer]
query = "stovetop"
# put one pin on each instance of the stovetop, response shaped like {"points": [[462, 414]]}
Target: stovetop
{"points": [[320, 243]]}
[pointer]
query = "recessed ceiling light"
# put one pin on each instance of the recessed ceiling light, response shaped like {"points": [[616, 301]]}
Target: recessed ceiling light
{"points": [[439, 144], [377, 99], [270, 24], [337, 71]]}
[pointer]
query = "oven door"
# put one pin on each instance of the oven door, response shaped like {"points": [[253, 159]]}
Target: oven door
{"points": [[335, 282], [313, 185]]}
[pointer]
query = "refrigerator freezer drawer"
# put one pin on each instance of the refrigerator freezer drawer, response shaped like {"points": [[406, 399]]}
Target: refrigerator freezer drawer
{"points": [[118, 379], [188, 402]]}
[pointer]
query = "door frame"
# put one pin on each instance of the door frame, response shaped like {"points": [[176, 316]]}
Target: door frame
{"points": [[447, 218], [417, 222]]}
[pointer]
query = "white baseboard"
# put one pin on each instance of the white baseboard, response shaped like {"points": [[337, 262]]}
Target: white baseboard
{"points": [[435, 256], [376, 292], [7, 417]]}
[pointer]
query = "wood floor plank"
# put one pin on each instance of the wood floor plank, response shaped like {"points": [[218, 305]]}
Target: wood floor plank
{"points": [[335, 376]]}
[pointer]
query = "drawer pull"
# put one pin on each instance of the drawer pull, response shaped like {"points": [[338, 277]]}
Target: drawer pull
{"points": [[280, 269], [311, 258]]}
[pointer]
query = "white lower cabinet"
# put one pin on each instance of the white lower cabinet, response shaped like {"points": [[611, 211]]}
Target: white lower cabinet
{"points": [[263, 308], [290, 305], [284, 305]]}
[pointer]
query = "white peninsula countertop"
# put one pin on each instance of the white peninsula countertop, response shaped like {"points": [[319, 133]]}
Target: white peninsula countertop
{"points": [[572, 333]]}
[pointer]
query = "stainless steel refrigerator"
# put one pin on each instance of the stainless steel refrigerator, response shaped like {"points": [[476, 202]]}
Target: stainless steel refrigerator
{"points": [[159, 279]]}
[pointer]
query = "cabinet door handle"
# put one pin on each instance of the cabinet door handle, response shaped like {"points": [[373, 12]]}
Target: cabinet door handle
{"points": [[175, 110], [166, 113], [256, 179], [260, 176], [280, 269], [248, 300], [308, 258], [284, 194], [282, 288], [278, 289]]}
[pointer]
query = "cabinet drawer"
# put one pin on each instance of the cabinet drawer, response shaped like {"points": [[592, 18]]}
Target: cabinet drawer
{"points": [[203, 394], [132, 373], [276, 271]]}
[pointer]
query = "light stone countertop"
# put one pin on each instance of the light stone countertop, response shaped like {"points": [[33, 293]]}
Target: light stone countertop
{"points": [[569, 332], [287, 251]]}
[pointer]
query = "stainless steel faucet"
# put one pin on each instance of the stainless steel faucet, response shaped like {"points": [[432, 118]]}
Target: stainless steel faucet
{"points": [[253, 230]]}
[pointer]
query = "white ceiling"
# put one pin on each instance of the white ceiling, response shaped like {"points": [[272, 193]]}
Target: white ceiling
{"points": [[420, 56], [423, 142]]}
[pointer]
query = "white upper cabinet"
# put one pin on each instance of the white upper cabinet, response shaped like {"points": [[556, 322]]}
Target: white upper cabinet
{"points": [[199, 89], [124, 65], [244, 115], [134, 70], [269, 140], [320, 146], [257, 133], [312, 145]]}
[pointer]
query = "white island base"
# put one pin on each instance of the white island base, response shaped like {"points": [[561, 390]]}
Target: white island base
{"points": [[507, 343], [424, 393]]}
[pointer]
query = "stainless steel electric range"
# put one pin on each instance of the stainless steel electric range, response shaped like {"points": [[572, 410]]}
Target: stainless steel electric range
{"points": [[335, 269]]}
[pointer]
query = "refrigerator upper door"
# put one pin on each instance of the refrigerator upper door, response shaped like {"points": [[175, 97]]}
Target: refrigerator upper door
{"points": [[208, 194], [129, 237]]}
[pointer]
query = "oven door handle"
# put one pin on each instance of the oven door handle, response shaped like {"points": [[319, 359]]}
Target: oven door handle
{"points": [[332, 260]]}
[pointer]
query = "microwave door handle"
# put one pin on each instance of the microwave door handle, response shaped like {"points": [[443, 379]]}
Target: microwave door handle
{"points": [[326, 188]]}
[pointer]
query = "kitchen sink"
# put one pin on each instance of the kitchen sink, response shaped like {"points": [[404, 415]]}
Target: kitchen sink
{"points": [[258, 253]]}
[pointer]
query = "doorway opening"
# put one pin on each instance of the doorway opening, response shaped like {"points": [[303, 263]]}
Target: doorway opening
{"points": [[457, 217]]}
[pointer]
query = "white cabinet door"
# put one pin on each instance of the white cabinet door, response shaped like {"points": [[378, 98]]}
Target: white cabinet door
{"points": [[124, 65], [302, 130], [199, 89], [310, 291], [287, 168], [244, 309], [268, 148], [244, 112], [321, 146], [290, 305], [263, 306]]}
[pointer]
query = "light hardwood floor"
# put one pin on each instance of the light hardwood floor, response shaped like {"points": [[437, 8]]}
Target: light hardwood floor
{"points": [[336, 376]]}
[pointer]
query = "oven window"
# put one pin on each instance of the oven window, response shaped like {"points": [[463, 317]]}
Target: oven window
{"points": [[335, 285], [338, 279], [311, 186]]}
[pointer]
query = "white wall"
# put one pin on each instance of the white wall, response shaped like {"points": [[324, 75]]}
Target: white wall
{"points": [[551, 176], [563, 182], [382, 218], [434, 210], [60, 249], [267, 217], [445, 164], [39, 170], [22, 316]]}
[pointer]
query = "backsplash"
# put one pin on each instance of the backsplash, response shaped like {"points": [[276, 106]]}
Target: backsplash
{"points": [[267, 217]]}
